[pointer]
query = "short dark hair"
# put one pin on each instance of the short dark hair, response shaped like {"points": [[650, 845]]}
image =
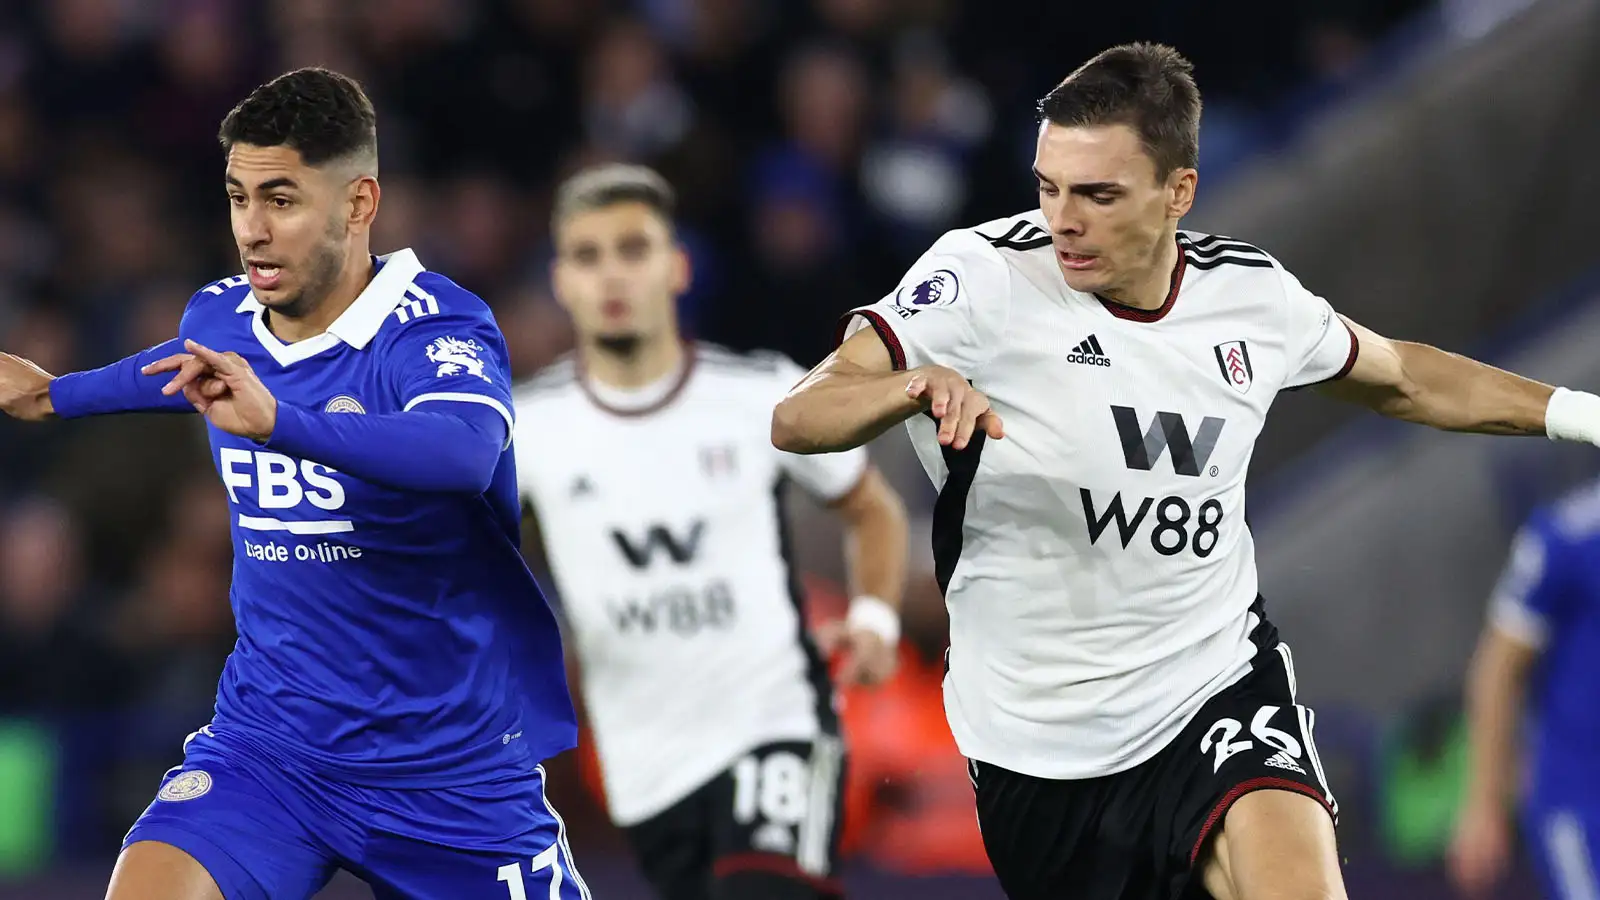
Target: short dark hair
{"points": [[609, 184], [320, 113], [1148, 87]]}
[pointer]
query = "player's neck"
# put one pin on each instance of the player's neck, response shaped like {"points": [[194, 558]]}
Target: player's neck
{"points": [[649, 362], [1150, 290], [354, 278]]}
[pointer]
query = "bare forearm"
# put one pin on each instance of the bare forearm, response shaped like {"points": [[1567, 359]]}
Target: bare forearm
{"points": [[875, 547], [1451, 392], [840, 406], [1494, 702]]}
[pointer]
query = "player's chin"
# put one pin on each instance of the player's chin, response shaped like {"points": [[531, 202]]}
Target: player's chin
{"points": [[279, 297], [619, 332], [1085, 281]]}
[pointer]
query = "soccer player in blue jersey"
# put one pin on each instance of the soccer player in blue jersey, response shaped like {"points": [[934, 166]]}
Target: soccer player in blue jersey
{"points": [[398, 678], [1543, 633]]}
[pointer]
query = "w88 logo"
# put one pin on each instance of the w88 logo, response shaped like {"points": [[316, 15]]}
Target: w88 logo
{"points": [[1178, 525]]}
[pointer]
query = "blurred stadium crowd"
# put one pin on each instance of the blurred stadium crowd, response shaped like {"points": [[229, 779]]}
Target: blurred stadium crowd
{"points": [[818, 147]]}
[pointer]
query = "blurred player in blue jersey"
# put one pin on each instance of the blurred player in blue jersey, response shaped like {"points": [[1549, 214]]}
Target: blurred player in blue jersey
{"points": [[398, 678], [1544, 621]]}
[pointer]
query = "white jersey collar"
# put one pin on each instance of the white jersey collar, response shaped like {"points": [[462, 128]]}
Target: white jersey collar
{"points": [[637, 398], [644, 400]]}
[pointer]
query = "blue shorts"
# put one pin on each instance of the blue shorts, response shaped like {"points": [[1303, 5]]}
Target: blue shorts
{"points": [[269, 831], [1565, 846]]}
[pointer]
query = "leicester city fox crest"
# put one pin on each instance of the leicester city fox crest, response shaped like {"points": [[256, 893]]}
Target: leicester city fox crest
{"points": [[344, 403], [186, 785], [454, 356]]}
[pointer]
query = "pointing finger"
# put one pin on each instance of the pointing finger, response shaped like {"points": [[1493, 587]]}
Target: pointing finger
{"points": [[167, 364], [218, 361], [189, 370]]}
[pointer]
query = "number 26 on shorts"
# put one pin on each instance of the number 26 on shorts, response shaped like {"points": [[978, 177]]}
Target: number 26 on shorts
{"points": [[1222, 733]]}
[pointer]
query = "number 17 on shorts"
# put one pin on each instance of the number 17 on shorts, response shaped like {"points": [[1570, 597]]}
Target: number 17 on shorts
{"points": [[546, 877]]}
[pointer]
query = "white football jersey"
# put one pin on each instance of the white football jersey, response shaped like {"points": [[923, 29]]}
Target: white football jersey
{"points": [[1095, 561], [663, 522]]}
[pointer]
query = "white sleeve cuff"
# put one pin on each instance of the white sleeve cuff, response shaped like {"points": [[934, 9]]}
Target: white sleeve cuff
{"points": [[847, 476], [464, 397], [1573, 416], [1517, 622], [871, 614]]}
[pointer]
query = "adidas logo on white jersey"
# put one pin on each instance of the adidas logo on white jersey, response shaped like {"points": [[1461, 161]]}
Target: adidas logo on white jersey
{"points": [[1282, 760], [1089, 353]]}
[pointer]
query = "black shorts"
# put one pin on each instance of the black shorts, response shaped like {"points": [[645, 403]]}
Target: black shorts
{"points": [[1137, 834], [766, 828]]}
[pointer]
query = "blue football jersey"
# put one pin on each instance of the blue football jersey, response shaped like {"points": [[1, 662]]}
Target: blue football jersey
{"points": [[1549, 598], [385, 636]]}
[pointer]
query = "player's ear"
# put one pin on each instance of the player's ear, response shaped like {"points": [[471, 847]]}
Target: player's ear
{"points": [[364, 197], [1180, 192], [682, 270], [557, 288]]}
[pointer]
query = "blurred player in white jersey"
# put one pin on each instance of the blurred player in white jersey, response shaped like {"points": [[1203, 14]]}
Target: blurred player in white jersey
{"points": [[659, 497], [1085, 382]]}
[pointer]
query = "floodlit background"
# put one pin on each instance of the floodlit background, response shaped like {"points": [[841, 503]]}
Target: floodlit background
{"points": [[1428, 166]]}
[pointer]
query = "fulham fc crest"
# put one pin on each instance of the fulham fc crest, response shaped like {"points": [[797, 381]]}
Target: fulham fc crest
{"points": [[1233, 358], [717, 461]]}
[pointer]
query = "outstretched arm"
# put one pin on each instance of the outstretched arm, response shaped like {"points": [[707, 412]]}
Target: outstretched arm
{"points": [[30, 393], [1423, 384]]}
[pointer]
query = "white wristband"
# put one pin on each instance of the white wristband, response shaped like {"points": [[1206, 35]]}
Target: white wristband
{"points": [[1573, 416], [874, 615]]}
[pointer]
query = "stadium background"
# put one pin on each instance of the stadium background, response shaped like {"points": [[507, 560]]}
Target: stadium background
{"points": [[1426, 165]]}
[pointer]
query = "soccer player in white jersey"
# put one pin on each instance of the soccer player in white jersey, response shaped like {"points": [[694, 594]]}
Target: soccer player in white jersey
{"points": [[661, 511], [1085, 383]]}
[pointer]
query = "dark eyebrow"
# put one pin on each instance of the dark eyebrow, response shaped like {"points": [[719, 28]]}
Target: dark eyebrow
{"points": [[1096, 187], [1086, 189], [266, 185]]}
